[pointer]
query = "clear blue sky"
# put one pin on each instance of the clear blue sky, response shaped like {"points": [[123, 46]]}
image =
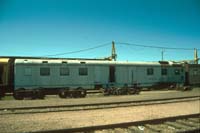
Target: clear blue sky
{"points": [[45, 27]]}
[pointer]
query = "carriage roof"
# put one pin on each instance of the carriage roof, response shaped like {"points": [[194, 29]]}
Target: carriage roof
{"points": [[90, 62]]}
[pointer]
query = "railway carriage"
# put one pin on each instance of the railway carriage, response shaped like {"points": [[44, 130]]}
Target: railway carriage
{"points": [[193, 74], [37, 77], [29, 77]]}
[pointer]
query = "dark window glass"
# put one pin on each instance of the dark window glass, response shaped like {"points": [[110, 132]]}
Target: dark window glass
{"points": [[1, 74], [83, 71], [64, 71], [44, 61], [164, 71], [44, 71], [149, 71], [112, 74], [177, 71]]}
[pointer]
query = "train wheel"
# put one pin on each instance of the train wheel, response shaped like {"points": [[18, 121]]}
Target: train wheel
{"points": [[137, 91], [76, 93], [131, 91], [18, 96], [62, 94], [40, 94], [1, 94], [80, 92], [83, 93], [33, 95]]}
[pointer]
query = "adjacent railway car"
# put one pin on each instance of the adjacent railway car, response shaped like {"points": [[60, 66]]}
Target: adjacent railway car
{"points": [[194, 74], [4, 76]]}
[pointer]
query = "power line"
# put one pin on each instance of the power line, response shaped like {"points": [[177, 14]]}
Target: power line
{"points": [[120, 43], [78, 51], [157, 47]]}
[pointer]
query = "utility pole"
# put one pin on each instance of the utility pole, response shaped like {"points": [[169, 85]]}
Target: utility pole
{"points": [[162, 54], [195, 56], [114, 55]]}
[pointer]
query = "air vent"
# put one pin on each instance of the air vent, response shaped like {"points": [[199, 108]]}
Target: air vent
{"points": [[64, 62], [163, 62], [82, 62], [25, 61], [44, 61]]}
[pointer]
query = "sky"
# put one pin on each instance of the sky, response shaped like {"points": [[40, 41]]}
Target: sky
{"points": [[49, 27]]}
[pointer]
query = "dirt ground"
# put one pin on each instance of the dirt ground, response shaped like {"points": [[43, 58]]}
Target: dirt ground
{"points": [[55, 100], [59, 120]]}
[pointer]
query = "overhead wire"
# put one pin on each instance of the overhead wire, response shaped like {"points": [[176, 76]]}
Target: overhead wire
{"points": [[82, 50], [120, 43], [151, 46]]}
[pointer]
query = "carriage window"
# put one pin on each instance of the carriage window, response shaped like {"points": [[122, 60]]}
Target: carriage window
{"points": [[27, 71], [149, 71], [83, 71], [64, 71], [44, 71], [177, 72], [164, 71]]}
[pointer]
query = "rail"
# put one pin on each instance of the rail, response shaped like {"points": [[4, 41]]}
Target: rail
{"points": [[180, 124], [76, 107]]}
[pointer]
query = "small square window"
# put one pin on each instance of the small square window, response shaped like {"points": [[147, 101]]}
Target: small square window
{"points": [[44, 71], [64, 71], [83, 71], [164, 71], [149, 71]]}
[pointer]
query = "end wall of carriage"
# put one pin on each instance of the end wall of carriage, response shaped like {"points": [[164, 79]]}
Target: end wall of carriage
{"points": [[194, 74]]}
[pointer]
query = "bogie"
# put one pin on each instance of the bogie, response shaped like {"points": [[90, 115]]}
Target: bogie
{"points": [[63, 93], [22, 93], [72, 93]]}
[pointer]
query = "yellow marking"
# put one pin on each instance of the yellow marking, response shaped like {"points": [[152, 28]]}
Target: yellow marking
{"points": [[4, 60]]}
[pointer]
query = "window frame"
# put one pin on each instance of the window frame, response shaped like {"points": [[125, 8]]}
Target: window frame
{"points": [[64, 73], [83, 71], [150, 71], [42, 73], [164, 71]]}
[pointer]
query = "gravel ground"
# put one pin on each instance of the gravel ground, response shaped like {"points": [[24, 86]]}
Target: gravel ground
{"points": [[48, 121], [54, 100]]}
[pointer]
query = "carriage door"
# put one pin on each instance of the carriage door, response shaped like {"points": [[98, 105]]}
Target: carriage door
{"points": [[112, 73], [98, 74], [132, 75], [1, 74]]}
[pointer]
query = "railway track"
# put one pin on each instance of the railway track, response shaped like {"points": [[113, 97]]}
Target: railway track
{"points": [[77, 107], [179, 124]]}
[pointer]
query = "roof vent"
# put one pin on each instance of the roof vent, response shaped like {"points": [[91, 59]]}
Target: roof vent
{"points": [[25, 61], [82, 62], [44, 61], [163, 62], [64, 62]]}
